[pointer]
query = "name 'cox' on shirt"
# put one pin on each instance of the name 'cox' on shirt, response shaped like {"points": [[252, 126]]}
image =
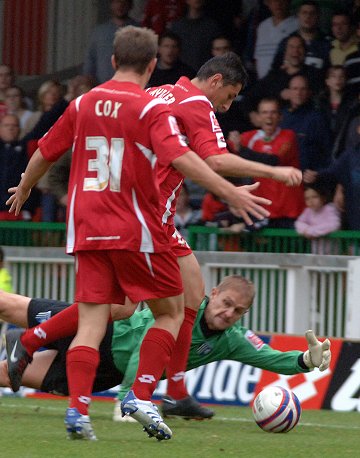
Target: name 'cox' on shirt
{"points": [[108, 108]]}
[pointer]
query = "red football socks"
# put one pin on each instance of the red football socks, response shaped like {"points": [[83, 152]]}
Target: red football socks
{"points": [[81, 366], [175, 370], [155, 352], [63, 324]]}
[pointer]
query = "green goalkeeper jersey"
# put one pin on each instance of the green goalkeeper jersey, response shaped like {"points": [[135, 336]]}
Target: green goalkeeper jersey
{"points": [[235, 343]]}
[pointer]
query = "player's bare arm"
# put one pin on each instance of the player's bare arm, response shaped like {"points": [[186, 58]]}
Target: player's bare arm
{"points": [[240, 199], [235, 166], [287, 175], [35, 169]]}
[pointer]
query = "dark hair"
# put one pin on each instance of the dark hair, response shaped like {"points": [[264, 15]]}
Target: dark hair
{"points": [[222, 36], [229, 65], [1, 255], [171, 35], [334, 67], [21, 92], [301, 75], [324, 192], [299, 37], [310, 3], [343, 12]]}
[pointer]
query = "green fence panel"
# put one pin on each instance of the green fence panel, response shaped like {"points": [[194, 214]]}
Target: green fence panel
{"points": [[204, 238], [201, 238], [21, 233]]}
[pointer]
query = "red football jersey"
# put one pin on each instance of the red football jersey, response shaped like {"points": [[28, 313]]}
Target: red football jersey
{"points": [[200, 128], [117, 132], [286, 201]]}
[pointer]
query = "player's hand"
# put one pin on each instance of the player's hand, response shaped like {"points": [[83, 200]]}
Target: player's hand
{"points": [[287, 175], [19, 196], [318, 353], [244, 204]]}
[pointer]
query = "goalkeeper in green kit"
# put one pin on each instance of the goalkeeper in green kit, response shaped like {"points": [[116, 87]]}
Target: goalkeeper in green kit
{"points": [[217, 335]]}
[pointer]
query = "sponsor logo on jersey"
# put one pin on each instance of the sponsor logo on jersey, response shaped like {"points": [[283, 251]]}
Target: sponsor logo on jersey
{"points": [[214, 122], [254, 340], [204, 349], [220, 140]]}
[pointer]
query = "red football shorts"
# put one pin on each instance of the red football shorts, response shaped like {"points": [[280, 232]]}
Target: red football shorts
{"points": [[107, 276], [179, 245]]}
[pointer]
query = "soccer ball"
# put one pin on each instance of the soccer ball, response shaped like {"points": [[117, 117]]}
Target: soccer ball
{"points": [[276, 409]]}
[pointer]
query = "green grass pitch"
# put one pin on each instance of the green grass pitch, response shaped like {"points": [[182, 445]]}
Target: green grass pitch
{"points": [[32, 428]]}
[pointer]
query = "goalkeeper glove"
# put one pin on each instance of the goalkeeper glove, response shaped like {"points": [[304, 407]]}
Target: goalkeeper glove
{"points": [[318, 353]]}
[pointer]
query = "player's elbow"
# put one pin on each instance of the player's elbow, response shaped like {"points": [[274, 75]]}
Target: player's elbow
{"points": [[216, 163]]}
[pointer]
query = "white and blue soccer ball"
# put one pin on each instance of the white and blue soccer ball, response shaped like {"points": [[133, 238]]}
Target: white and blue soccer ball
{"points": [[276, 409]]}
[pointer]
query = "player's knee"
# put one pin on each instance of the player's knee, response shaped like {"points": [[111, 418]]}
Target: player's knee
{"points": [[194, 297]]}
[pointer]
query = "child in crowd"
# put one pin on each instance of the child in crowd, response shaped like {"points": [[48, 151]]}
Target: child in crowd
{"points": [[319, 218]]}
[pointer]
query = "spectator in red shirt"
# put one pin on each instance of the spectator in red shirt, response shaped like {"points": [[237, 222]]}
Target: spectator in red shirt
{"points": [[287, 203]]}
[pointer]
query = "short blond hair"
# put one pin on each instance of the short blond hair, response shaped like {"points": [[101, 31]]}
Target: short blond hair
{"points": [[239, 283], [134, 48]]}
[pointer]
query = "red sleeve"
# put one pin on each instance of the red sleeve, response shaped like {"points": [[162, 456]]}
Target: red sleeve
{"points": [[207, 138], [60, 137], [167, 142]]}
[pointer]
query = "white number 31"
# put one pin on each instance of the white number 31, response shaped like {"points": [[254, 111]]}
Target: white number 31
{"points": [[107, 165]]}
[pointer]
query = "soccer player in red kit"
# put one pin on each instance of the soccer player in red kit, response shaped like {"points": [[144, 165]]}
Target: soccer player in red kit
{"points": [[193, 104], [119, 135]]}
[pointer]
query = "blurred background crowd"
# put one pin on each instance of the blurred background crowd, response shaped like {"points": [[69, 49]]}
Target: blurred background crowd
{"points": [[301, 106]]}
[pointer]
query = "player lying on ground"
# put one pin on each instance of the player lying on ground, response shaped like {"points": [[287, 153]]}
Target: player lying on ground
{"points": [[217, 331]]}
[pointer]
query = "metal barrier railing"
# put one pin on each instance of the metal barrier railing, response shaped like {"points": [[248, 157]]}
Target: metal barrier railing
{"points": [[203, 238], [295, 292]]}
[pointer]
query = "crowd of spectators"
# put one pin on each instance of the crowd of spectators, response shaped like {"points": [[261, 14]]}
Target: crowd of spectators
{"points": [[301, 106]]}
